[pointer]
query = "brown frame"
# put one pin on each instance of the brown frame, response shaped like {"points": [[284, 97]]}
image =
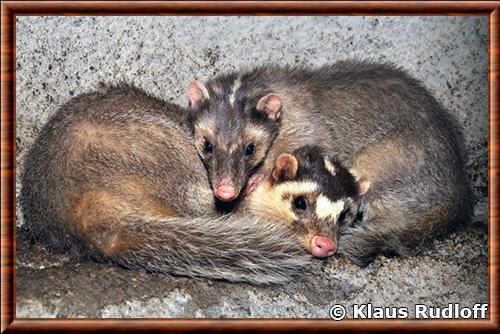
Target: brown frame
{"points": [[11, 9]]}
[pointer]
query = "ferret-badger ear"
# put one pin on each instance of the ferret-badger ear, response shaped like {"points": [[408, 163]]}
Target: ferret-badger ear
{"points": [[270, 105], [362, 183], [197, 93], [363, 186], [285, 168]]}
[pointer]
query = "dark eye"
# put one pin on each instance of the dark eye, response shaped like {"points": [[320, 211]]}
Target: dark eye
{"points": [[250, 149], [300, 203], [207, 146]]}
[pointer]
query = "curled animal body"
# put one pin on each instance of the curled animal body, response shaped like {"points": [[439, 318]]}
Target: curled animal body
{"points": [[114, 176], [382, 124]]}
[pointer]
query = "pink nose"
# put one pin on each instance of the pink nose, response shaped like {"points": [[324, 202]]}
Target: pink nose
{"points": [[322, 246], [226, 192]]}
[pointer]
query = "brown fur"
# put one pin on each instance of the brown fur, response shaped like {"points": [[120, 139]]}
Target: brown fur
{"points": [[114, 176], [372, 117]]}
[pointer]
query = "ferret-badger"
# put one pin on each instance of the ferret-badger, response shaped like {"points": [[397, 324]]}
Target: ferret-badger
{"points": [[313, 194], [381, 123], [114, 176]]}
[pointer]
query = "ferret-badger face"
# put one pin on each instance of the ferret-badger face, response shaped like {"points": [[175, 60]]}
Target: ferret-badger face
{"points": [[234, 128], [312, 193]]}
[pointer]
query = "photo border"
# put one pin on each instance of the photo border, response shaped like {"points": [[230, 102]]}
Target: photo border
{"points": [[11, 9]]}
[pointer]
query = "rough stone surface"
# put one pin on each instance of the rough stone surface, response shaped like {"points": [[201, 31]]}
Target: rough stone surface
{"points": [[454, 271], [60, 57]]}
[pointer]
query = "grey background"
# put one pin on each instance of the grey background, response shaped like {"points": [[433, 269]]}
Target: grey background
{"points": [[60, 57]]}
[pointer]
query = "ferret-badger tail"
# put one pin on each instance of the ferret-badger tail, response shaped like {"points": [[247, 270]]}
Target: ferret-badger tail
{"points": [[232, 248], [114, 177]]}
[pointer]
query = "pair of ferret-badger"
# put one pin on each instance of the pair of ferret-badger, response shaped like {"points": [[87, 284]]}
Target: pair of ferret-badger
{"points": [[352, 157]]}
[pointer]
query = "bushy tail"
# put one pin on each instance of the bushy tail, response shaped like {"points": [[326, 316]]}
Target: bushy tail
{"points": [[233, 248]]}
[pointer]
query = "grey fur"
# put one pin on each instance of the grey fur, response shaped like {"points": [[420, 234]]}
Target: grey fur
{"points": [[232, 248], [114, 176], [375, 119]]}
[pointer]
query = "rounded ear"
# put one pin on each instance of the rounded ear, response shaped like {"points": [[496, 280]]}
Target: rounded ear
{"points": [[285, 167], [362, 183], [363, 186], [270, 105], [197, 93]]}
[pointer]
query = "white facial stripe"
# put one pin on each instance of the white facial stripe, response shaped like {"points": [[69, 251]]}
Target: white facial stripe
{"points": [[296, 187], [326, 209], [330, 167], [234, 88], [232, 148]]}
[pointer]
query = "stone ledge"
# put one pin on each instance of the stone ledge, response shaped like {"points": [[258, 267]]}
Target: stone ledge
{"points": [[453, 271]]}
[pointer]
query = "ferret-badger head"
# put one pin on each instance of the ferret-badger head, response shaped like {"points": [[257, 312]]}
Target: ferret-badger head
{"points": [[233, 131], [313, 194]]}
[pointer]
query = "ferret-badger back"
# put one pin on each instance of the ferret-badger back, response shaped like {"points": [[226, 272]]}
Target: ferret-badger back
{"points": [[114, 176], [381, 123]]}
